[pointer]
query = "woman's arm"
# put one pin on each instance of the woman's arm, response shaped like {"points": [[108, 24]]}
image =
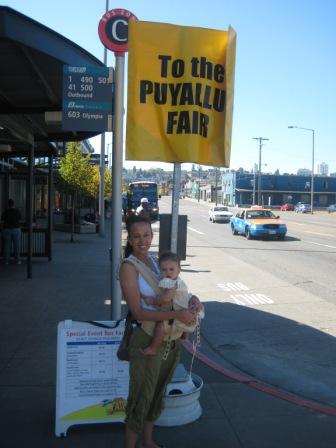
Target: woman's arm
{"points": [[129, 285]]}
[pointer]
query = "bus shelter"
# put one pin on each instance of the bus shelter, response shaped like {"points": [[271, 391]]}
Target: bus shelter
{"points": [[32, 57]]}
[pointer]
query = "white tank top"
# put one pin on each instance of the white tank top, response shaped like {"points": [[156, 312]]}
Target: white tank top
{"points": [[145, 289]]}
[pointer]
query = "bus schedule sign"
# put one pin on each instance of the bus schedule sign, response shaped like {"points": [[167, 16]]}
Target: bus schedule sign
{"points": [[87, 98]]}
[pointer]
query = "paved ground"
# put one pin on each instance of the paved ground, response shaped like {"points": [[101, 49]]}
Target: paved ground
{"points": [[238, 410]]}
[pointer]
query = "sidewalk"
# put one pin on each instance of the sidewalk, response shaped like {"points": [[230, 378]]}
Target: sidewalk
{"points": [[74, 286]]}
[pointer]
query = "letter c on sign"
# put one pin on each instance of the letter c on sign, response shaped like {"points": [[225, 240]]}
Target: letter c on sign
{"points": [[113, 30], [119, 37]]}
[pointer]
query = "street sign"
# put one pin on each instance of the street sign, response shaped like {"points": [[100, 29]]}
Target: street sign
{"points": [[113, 30], [87, 98]]}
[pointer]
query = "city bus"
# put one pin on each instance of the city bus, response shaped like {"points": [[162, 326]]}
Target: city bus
{"points": [[143, 189]]}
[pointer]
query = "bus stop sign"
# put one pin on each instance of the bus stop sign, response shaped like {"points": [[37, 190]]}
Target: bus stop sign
{"points": [[113, 30]]}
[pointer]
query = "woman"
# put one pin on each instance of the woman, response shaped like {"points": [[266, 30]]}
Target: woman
{"points": [[149, 375]]}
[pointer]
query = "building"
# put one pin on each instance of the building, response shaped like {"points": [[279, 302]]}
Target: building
{"points": [[323, 169], [241, 189], [303, 172]]}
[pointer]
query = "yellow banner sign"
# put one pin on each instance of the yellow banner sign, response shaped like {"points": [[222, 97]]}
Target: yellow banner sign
{"points": [[180, 93]]}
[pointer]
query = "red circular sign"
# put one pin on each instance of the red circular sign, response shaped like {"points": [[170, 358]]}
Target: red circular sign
{"points": [[113, 30]]}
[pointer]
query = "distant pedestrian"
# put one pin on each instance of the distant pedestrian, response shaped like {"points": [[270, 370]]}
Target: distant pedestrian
{"points": [[143, 210], [11, 231]]}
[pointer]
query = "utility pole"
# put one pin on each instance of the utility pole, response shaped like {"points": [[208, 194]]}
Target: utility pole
{"points": [[254, 184], [101, 211], [260, 139]]}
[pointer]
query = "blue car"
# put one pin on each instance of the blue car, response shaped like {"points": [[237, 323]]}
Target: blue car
{"points": [[258, 222]]}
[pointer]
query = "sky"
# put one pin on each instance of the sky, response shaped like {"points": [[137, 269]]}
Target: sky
{"points": [[285, 69]]}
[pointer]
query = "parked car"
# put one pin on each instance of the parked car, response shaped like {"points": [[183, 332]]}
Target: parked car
{"points": [[219, 213], [302, 207], [287, 207], [258, 222], [331, 208]]}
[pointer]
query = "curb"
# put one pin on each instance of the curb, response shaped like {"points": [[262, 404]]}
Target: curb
{"points": [[258, 385]]}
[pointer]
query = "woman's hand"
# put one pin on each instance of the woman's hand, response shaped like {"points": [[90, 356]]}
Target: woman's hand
{"points": [[187, 317], [195, 304]]}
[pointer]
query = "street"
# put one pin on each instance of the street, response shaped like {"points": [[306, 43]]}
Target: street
{"points": [[275, 299]]}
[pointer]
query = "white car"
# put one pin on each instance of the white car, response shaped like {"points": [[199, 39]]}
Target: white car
{"points": [[219, 213]]}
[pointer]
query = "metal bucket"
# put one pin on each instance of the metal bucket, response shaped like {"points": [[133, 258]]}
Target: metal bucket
{"points": [[181, 402]]}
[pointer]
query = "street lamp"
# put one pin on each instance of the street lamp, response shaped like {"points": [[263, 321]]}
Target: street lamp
{"points": [[312, 172], [260, 139]]}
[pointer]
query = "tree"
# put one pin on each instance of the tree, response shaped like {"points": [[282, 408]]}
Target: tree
{"points": [[92, 187], [76, 173], [107, 184]]}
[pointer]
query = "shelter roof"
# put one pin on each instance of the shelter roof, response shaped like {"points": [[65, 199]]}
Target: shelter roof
{"points": [[31, 77]]}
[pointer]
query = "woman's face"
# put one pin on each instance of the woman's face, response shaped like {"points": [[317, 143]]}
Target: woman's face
{"points": [[140, 238]]}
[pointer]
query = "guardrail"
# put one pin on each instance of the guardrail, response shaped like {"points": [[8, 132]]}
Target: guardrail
{"points": [[40, 243]]}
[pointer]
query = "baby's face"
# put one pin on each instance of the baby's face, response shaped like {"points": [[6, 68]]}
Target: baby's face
{"points": [[170, 269]]}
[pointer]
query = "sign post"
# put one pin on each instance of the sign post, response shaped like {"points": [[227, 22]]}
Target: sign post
{"points": [[113, 32]]}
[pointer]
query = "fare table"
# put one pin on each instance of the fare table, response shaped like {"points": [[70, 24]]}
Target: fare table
{"points": [[92, 384]]}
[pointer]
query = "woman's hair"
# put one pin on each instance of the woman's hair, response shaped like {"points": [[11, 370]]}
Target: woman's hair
{"points": [[134, 219], [171, 256]]}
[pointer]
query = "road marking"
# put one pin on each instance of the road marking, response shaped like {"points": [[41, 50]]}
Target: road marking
{"points": [[244, 299], [319, 244], [194, 230], [233, 286], [317, 233], [251, 299]]}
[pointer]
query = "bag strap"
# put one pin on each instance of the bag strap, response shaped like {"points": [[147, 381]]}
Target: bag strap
{"points": [[146, 273]]}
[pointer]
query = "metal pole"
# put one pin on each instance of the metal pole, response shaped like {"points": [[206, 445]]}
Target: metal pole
{"points": [[50, 206], [116, 206], [216, 183], [260, 139], [259, 174], [30, 210], [312, 171], [102, 186], [175, 207], [199, 182], [312, 176], [101, 210], [254, 186]]}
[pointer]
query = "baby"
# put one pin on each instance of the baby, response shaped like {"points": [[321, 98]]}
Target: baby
{"points": [[170, 269]]}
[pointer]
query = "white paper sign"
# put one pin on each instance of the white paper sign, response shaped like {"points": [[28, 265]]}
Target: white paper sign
{"points": [[92, 384]]}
